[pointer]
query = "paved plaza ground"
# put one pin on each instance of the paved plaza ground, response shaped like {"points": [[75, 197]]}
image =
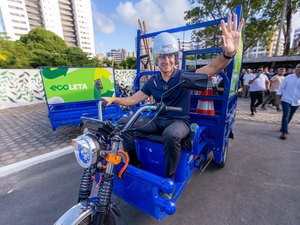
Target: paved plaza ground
{"points": [[26, 132]]}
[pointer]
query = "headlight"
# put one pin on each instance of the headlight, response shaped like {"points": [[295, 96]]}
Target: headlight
{"points": [[85, 150]]}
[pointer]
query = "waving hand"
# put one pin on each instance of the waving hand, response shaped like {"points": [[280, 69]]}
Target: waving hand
{"points": [[231, 35]]}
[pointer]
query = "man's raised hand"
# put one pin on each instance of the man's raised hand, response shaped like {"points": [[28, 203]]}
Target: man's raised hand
{"points": [[231, 35]]}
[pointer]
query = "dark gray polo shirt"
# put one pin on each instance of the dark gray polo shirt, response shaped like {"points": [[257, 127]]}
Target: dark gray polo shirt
{"points": [[178, 97]]}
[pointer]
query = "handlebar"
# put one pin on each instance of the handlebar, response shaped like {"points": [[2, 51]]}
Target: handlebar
{"points": [[173, 109], [160, 107], [103, 103]]}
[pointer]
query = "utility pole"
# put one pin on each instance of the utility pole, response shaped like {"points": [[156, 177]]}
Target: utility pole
{"points": [[281, 27]]}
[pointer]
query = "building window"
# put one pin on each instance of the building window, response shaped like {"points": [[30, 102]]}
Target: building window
{"points": [[15, 7], [17, 1], [17, 14], [18, 21], [20, 28]]}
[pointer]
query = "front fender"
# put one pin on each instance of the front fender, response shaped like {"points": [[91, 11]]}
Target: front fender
{"points": [[75, 214]]}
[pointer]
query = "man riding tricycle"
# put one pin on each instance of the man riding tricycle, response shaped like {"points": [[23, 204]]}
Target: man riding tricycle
{"points": [[148, 158]]}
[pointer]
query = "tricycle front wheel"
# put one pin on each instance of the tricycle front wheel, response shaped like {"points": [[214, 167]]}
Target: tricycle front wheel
{"points": [[110, 220], [224, 158]]}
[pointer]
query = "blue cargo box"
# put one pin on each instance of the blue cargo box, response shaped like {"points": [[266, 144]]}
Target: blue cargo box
{"points": [[70, 113]]}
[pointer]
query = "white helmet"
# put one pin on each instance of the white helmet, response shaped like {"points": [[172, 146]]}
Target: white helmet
{"points": [[164, 43]]}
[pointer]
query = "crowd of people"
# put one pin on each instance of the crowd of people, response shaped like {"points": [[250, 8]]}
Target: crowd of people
{"points": [[279, 88]]}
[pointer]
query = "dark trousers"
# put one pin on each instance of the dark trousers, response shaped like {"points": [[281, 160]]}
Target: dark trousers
{"points": [[172, 130], [255, 96], [287, 114], [246, 91], [272, 97]]}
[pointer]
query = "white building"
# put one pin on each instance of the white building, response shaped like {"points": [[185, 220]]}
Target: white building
{"points": [[296, 38], [261, 51], [117, 55], [69, 19], [295, 26], [184, 45]]}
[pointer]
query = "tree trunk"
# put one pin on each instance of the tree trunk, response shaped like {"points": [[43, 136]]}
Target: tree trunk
{"points": [[287, 34]]}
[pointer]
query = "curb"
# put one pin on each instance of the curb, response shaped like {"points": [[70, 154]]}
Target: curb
{"points": [[12, 168]]}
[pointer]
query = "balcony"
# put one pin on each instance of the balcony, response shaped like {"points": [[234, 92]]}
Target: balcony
{"points": [[65, 7], [66, 2], [66, 18]]}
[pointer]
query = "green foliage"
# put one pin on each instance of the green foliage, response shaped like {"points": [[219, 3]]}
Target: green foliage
{"points": [[129, 63], [14, 54], [4, 36], [94, 62], [106, 62], [262, 17], [42, 39], [41, 47], [76, 57]]}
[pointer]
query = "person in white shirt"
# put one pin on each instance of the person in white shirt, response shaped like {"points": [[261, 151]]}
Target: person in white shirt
{"points": [[258, 84], [246, 86], [289, 94]]}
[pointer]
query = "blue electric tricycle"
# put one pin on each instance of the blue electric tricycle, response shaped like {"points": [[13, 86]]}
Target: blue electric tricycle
{"points": [[107, 167]]}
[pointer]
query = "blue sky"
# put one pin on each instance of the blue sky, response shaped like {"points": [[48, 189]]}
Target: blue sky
{"points": [[116, 22]]}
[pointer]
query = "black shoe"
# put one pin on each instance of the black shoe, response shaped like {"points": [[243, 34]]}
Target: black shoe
{"points": [[255, 110], [263, 107], [283, 136], [252, 114], [284, 132]]}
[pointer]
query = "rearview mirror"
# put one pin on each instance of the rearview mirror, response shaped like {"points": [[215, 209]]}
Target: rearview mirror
{"points": [[194, 81]]}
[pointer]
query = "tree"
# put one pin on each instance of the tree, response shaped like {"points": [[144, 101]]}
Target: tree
{"points": [[41, 47], [14, 54], [43, 39], [262, 18], [94, 62], [291, 7], [128, 63], [47, 48], [106, 62], [76, 57]]}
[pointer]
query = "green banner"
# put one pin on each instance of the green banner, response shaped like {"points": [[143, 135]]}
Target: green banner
{"points": [[62, 84], [238, 59], [236, 68]]}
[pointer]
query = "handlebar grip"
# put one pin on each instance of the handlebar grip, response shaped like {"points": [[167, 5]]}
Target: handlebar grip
{"points": [[173, 109], [103, 102]]}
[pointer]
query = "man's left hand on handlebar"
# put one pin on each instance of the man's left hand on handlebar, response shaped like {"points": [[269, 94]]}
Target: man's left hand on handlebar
{"points": [[110, 100]]}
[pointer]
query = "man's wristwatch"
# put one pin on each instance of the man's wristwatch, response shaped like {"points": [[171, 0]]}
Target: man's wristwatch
{"points": [[228, 57]]}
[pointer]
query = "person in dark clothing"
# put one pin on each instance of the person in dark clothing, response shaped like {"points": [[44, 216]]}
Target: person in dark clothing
{"points": [[174, 126]]}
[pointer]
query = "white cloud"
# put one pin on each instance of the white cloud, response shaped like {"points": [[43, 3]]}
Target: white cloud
{"points": [[103, 23], [157, 14]]}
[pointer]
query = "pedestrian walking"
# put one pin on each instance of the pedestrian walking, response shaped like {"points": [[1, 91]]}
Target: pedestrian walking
{"points": [[258, 82], [246, 86], [289, 94], [275, 81]]}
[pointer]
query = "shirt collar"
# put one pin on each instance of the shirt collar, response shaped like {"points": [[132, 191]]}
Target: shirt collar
{"points": [[174, 74]]}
